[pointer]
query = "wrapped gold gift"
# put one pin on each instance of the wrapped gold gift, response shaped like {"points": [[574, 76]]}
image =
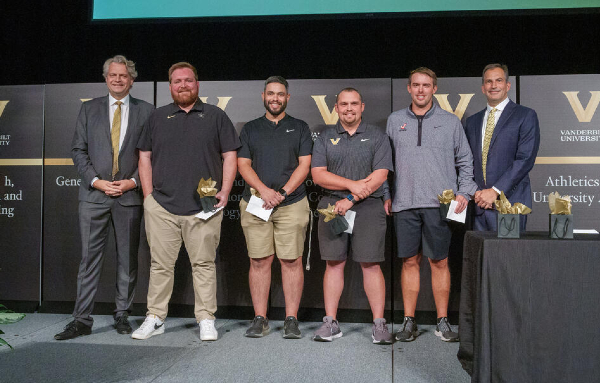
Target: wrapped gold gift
{"points": [[561, 218], [207, 191], [508, 217], [445, 199], [504, 206], [336, 223]]}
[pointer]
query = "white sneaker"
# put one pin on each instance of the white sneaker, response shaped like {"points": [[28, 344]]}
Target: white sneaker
{"points": [[208, 330], [152, 326]]}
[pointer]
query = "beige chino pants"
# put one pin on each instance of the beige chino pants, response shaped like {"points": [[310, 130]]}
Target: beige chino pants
{"points": [[165, 233]]}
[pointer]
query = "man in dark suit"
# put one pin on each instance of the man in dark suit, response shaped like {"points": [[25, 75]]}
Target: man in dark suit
{"points": [[104, 152], [504, 138]]}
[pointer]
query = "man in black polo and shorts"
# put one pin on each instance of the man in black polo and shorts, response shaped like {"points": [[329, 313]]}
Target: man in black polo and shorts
{"points": [[430, 148], [351, 161], [274, 160]]}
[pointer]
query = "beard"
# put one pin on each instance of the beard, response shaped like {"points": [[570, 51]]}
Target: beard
{"points": [[185, 97], [277, 112]]}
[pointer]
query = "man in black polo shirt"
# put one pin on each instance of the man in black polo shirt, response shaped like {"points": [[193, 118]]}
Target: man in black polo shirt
{"points": [[274, 160], [351, 161], [182, 143]]}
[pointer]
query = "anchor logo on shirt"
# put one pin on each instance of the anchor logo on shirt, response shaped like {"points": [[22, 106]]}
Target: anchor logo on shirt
{"points": [[335, 142]]}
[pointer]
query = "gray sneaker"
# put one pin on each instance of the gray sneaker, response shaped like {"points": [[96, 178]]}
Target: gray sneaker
{"points": [[444, 331], [329, 330], [258, 328], [409, 330], [290, 328], [381, 334]]}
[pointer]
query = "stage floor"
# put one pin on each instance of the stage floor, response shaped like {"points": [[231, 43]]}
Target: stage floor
{"points": [[180, 356]]}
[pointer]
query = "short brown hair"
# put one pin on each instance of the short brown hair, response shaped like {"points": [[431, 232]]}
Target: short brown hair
{"points": [[426, 71], [494, 66], [349, 89], [180, 65]]}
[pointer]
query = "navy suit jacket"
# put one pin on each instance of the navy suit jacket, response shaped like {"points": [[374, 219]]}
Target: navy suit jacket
{"points": [[512, 152], [91, 149]]}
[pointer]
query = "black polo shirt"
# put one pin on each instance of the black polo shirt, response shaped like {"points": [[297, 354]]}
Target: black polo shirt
{"points": [[185, 148], [353, 157], [274, 150]]}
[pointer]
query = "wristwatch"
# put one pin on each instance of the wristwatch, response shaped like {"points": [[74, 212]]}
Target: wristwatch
{"points": [[350, 197], [283, 192]]}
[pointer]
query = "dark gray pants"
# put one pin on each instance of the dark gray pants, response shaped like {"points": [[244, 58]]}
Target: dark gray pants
{"points": [[94, 221]]}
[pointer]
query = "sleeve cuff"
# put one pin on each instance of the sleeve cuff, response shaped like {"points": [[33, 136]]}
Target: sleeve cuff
{"points": [[94, 180]]}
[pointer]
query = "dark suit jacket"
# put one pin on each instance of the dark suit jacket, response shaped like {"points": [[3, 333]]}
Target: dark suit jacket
{"points": [[91, 149], [512, 152]]}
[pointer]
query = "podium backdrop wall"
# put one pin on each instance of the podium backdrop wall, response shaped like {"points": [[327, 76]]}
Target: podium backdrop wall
{"points": [[37, 124]]}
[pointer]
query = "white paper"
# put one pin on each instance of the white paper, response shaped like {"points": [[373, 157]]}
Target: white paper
{"points": [[456, 217], [204, 216], [255, 207], [585, 231], [350, 215]]}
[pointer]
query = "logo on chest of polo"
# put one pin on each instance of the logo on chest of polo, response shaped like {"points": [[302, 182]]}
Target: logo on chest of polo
{"points": [[335, 142], [403, 127]]}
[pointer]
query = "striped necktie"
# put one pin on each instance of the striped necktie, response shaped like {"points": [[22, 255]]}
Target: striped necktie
{"points": [[115, 136], [489, 131]]}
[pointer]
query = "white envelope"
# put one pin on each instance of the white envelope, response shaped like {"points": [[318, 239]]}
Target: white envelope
{"points": [[456, 217], [204, 216], [255, 207], [350, 215]]}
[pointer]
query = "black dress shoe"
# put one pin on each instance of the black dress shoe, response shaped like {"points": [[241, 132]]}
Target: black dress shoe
{"points": [[73, 330], [122, 325]]}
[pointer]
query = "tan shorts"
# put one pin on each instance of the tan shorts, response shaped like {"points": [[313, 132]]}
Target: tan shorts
{"points": [[283, 234]]}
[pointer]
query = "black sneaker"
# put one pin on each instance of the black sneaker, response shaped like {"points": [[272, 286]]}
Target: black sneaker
{"points": [[409, 330], [258, 328], [290, 328], [444, 331], [122, 324], [73, 330]]}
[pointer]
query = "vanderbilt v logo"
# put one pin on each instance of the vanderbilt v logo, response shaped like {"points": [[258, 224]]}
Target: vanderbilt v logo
{"points": [[583, 115], [329, 117], [2, 106], [335, 142], [222, 104], [460, 108]]}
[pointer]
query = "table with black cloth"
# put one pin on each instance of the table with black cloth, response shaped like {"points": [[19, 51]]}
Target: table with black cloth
{"points": [[530, 308]]}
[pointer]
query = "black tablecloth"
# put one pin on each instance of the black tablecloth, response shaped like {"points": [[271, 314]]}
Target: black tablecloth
{"points": [[530, 308]]}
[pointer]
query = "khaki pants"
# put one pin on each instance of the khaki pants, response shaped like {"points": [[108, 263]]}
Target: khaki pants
{"points": [[166, 232]]}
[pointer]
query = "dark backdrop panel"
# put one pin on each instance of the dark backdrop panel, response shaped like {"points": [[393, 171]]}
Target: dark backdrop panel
{"points": [[455, 45], [62, 243], [463, 97], [21, 135], [567, 107]]}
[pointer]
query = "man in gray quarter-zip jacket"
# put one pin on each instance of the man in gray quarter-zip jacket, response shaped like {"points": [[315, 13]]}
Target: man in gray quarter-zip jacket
{"points": [[431, 154]]}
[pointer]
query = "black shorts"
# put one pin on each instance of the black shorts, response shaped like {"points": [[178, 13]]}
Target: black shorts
{"points": [[422, 230], [367, 241]]}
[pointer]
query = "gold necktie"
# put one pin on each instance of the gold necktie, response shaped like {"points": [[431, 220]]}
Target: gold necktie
{"points": [[489, 131], [115, 136]]}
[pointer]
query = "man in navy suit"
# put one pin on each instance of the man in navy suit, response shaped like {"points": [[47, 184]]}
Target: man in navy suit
{"points": [[104, 152], [511, 145]]}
